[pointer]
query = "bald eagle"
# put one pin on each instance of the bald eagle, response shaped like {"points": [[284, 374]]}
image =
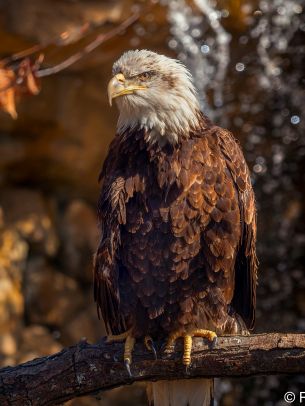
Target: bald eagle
{"points": [[177, 216]]}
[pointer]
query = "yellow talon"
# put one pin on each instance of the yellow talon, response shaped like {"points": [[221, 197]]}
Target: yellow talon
{"points": [[129, 344], [208, 334], [120, 337], [187, 347], [188, 340]]}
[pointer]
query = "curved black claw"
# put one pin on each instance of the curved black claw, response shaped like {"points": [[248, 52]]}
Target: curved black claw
{"points": [[116, 356], [214, 342], [127, 366], [153, 348], [187, 370]]}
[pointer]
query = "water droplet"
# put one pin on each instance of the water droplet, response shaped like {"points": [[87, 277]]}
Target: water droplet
{"points": [[281, 10], [275, 70], [172, 43], [295, 120], [264, 6], [224, 38], [260, 160], [193, 49], [205, 49], [255, 139], [257, 168], [278, 157], [213, 15], [140, 30], [196, 33], [240, 67], [282, 44]]}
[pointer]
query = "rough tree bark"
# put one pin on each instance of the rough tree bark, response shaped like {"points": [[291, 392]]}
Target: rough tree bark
{"points": [[86, 369]]}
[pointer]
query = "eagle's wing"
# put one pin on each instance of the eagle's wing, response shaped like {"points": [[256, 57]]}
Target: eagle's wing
{"points": [[246, 261], [111, 214]]}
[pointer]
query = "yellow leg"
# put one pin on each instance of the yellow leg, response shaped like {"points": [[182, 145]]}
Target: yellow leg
{"points": [[188, 340]]}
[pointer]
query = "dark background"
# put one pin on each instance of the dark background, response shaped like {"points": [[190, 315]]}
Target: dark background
{"points": [[247, 58]]}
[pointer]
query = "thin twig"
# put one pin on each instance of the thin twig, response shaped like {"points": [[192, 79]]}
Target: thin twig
{"points": [[22, 54], [101, 38], [88, 48]]}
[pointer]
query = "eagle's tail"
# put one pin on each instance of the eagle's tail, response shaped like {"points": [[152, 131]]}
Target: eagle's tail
{"points": [[188, 392]]}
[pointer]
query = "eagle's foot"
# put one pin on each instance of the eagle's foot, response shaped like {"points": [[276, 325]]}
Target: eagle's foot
{"points": [[188, 341], [130, 340], [128, 346], [149, 344]]}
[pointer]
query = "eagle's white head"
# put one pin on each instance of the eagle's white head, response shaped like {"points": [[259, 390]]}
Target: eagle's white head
{"points": [[156, 93]]}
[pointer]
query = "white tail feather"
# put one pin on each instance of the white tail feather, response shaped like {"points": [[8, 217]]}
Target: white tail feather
{"points": [[187, 392]]}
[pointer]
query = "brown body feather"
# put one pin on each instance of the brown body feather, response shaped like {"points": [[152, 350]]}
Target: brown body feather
{"points": [[178, 231]]}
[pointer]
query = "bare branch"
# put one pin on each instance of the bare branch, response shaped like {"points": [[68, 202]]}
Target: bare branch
{"points": [[86, 369], [65, 38], [88, 48], [19, 72], [22, 54]]}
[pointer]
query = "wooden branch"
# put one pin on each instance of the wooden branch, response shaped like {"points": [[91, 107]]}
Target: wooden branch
{"points": [[86, 369], [100, 39]]}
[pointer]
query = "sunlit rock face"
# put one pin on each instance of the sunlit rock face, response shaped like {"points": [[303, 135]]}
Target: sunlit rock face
{"points": [[51, 297], [247, 58], [13, 253], [36, 341], [79, 233], [32, 216]]}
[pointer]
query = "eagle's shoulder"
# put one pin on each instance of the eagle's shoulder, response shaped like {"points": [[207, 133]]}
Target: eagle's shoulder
{"points": [[234, 157]]}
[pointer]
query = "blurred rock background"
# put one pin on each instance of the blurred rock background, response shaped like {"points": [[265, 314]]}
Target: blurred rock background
{"points": [[247, 57]]}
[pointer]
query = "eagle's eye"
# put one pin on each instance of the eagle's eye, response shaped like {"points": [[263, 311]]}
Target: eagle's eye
{"points": [[146, 75]]}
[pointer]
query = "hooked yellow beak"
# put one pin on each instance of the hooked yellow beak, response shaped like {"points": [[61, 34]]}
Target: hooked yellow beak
{"points": [[118, 86]]}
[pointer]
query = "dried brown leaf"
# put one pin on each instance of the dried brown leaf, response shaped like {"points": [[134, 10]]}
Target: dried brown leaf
{"points": [[7, 91], [32, 84]]}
